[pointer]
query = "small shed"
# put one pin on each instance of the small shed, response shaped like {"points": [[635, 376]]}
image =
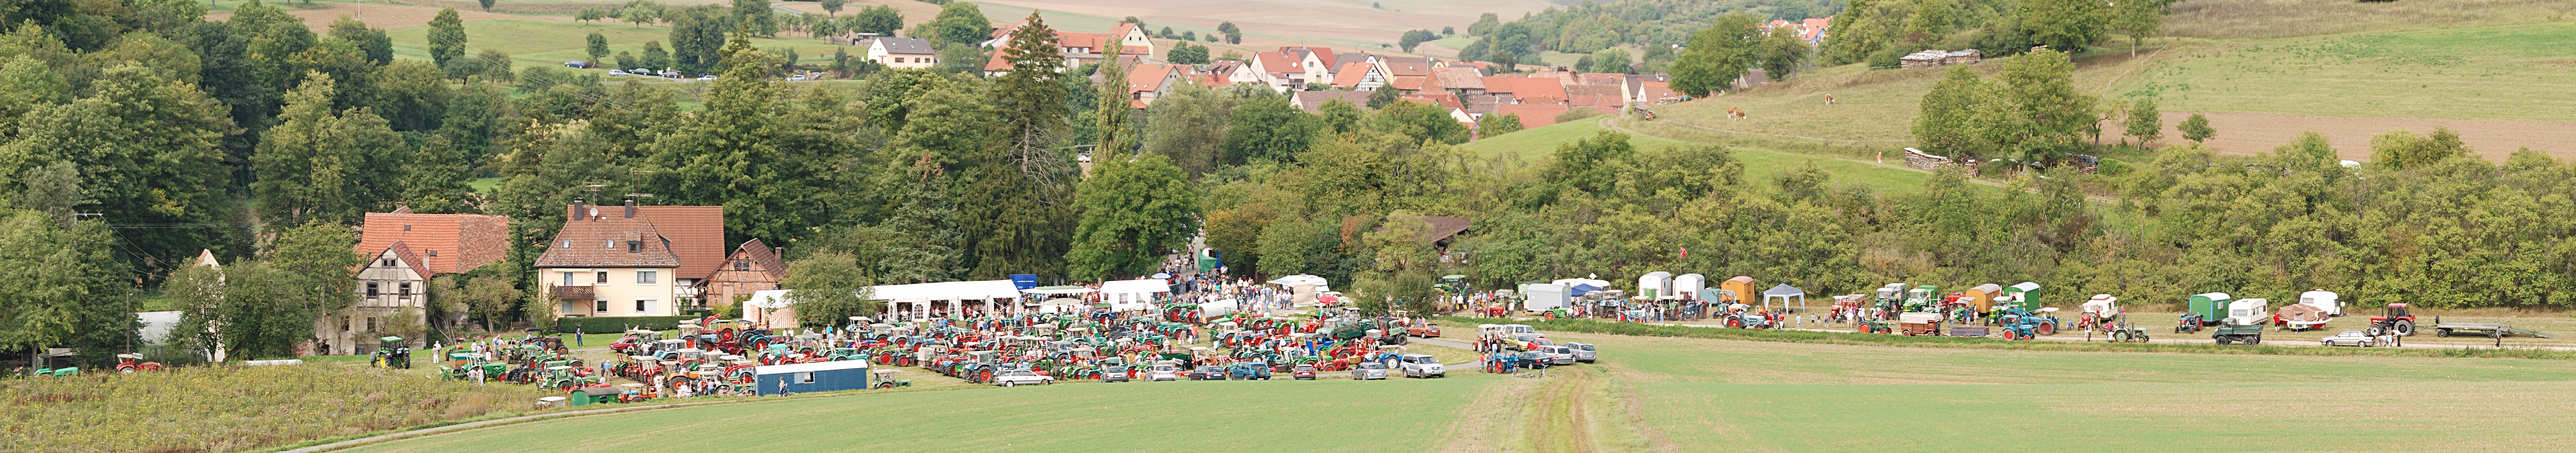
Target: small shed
{"points": [[2024, 295], [811, 377], [1981, 297], [1655, 285], [1544, 296], [1688, 286], [1736, 289]]}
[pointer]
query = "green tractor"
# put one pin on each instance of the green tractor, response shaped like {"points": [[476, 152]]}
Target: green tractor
{"points": [[394, 354], [1923, 299]]}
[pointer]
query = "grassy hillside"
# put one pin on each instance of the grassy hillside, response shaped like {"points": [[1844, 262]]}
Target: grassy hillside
{"points": [[2265, 19], [537, 41], [2517, 72], [1679, 394]]}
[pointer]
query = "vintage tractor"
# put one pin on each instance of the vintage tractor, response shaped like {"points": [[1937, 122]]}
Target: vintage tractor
{"points": [[2042, 321], [128, 363], [1923, 299], [2398, 321], [394, 354], [2244, 323], [1876, 326]]}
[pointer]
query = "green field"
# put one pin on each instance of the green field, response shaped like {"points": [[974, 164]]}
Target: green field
{"points": [[1680, 394], [2514, 72]]}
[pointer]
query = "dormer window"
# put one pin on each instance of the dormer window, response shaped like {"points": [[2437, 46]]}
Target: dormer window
{"points": [[634, 246], [612, 245]]}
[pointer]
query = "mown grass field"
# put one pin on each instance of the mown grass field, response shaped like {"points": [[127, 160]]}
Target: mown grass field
{"points": [[1682, 394], [236, 408], [2515, 72]]}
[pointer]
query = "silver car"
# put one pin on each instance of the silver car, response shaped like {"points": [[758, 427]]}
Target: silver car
{"points": [[1421, 366], [1560, 355], [1583, 352], [1368, 370]]}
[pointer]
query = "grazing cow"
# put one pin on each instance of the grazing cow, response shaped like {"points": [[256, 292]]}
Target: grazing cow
{"points": [[1829, 99], [1735, 113]]}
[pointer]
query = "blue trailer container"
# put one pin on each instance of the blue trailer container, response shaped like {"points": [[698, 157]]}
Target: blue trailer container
{"points": [[811, 377]]}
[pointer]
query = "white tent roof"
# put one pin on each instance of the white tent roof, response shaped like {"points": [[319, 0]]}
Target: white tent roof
{"points": [[968, 290], [1138, 286], [1300, 278], [1784, 290], [810, 367], [1075, 290], [769, 299]]}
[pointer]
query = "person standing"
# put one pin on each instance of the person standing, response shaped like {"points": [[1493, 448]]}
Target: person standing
{"points": [[477, 374], [576, 335]]}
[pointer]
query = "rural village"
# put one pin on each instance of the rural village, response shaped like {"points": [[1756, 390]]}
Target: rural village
{"points": [[1506, 225]]}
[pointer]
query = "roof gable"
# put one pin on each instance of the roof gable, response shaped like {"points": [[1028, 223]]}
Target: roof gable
{"points": [[457, 242], [609, 239]]}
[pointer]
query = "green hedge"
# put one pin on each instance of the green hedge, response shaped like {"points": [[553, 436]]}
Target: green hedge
{"points": [[614, 324]]}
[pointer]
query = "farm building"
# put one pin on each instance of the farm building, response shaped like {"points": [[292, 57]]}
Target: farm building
{"points": [[811, 377]]}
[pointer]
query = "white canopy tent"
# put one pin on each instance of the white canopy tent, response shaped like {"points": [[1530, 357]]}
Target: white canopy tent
{"points": [[769, 308], [1130, 295], [917, 301], [1784, 292]]}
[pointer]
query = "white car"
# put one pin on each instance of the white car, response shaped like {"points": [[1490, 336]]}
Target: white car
{"points": [[1011, 378], [1163, 373], [707, 78], [1420, 366], [796, 78], [1368, 370], [616, 72], [2350, 338]]}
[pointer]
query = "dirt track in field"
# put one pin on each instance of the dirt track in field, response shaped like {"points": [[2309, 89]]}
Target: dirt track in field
{"points": [[380, 16], [2252, 133]]}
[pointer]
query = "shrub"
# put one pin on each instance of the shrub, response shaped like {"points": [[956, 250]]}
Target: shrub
{"points": [[238, 408]]}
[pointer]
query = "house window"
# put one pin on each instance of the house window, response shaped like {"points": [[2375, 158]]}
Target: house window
{"points": [[406, 227], [805, 377], [634, 246], [639, 305], [433, 253], [567, 279], [647, 277], [566, 245], [600, 306], [741, 265], [388, 262], [406, 289], [602, 278], [371, 324], [371, 289], [612, 245]]}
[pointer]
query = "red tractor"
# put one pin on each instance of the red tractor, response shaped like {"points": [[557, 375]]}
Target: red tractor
{"points": [[128, 363], [2398, 321]]}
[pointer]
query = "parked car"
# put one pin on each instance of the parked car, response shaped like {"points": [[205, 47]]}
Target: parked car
{"points": [[1532, 359], [1163, 373], [2350, 338], [1113, 374], [670, 73], [1420, 366], [1248, 371], [1560, 355], [796, 78], [1368, 370], [1011, 378], [706, 77], [617, 73], [1424, 330], [1583, 352], [1303, 373], [1208, 373], [577, 64]]}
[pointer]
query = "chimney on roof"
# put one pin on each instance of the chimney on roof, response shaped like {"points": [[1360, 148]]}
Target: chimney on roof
{"points": [[576, 210], [630, 209]]}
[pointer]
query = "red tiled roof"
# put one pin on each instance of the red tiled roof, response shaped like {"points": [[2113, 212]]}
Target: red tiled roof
{"points": [[1442, 227], [1533, 116], [1459, 78], [1406, 66], [459, 242], [599, 239], [1351, 74], [1526, 87], [1212, 80], [697, 235], [1410, 83], [1313, 101], [1147, 77], [1322, 54], [1443, 99], [761, 255], [1603, 78], [408, 257], [1278, 63]]}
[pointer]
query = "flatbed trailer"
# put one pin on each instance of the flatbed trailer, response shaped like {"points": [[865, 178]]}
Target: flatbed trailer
{"points": [[2444, 329], [1968, 331]]}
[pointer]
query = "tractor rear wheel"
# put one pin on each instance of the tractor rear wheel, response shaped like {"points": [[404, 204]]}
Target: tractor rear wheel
{"points": [[2048, 329], [2405, 328]]}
